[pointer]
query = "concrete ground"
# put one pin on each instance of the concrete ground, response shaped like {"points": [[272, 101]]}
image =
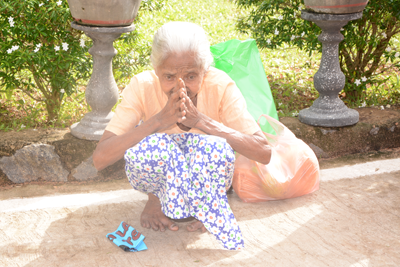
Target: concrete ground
{"points": [[353, 220]]}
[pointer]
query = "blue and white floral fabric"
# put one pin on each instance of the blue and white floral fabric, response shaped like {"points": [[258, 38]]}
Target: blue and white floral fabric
{"points": [[189, 173]]}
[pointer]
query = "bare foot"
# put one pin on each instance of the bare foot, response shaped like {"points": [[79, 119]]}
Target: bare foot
{"points": [[194, 226], [153, 217]]}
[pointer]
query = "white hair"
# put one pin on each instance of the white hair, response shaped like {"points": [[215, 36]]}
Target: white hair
{"points": [[178, 37]]}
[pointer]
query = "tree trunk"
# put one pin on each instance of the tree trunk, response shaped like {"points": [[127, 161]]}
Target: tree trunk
{"points": [[53, 106]]}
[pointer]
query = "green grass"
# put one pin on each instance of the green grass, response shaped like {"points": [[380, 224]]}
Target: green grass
{"points": [[289, 70]]}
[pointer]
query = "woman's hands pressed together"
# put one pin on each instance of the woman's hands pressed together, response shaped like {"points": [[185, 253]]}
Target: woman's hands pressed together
{"points": [[174, 111], [179, 109], [192, 115]]}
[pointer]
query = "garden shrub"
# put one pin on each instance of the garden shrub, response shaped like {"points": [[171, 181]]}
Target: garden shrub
{"points": [[45, 58], [40, 52], [367, 53]]}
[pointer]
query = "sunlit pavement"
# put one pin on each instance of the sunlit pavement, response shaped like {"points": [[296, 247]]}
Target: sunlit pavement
{"points": [[353, 220]]}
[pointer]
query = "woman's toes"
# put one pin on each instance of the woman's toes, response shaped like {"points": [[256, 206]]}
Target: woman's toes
{"points": [[145, 224], [173, 227], [154, 226], [161, 226], [194, 226], [168, 223]]}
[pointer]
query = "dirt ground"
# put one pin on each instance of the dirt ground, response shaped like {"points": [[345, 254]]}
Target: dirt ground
{"points": [[350, 222]]}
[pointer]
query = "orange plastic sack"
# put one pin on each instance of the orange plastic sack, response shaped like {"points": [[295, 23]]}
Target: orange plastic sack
{"points": [[293, 170]]}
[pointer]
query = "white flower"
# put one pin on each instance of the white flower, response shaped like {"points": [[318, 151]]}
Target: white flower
{"points": [[382, 107], [341, 29], [9, 51], [357, 82], [279, 104], [38, 46], [292, 37], [388, 49], [220, 221], [269, 41], [59, 3], [276, 32], [397, 54], [387, 106], [173, 193], [65, 46], [56, 48], [23, 126], [200, 215], [364, 104], [41, 4], [299, 7], [14, 47], [62, 91], [300, 81], [302, 34], [384, 35], [11, 21], [363, 79], [259, 21], [295, 114], [280, 17], [82, 43], [295, 92], [210, 218]]}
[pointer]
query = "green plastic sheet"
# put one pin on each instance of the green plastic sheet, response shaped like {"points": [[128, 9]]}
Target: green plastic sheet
{"points": [[241, 61]]}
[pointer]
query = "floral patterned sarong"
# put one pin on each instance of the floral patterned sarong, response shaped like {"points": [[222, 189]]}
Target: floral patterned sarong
{"points": [[189, 173]]}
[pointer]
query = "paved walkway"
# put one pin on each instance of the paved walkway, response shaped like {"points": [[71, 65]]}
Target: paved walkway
{"points": [[348, 222]]}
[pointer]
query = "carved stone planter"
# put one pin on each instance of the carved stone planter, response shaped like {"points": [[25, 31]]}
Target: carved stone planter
{"points": [[335, 6], [104, 12]]}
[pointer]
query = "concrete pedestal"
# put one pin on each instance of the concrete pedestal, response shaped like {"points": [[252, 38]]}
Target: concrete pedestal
{"points": [[101, 91], [328, 110]]}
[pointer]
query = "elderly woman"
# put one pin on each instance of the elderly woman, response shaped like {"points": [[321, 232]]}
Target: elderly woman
{"points": [[177, 128]]}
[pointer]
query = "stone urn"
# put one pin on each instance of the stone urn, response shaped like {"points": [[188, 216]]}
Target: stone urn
{"points": [[335, 6], [105, 13]]}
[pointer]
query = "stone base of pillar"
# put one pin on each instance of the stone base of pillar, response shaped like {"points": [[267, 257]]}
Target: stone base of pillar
{"points": [[328, 110], [326, 118], [92, 126]]}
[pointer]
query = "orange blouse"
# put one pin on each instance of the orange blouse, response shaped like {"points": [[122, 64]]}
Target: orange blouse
{"points": [[219, 98]]}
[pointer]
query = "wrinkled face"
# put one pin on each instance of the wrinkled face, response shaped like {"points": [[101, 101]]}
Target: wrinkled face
{"points": [[182, 66]]}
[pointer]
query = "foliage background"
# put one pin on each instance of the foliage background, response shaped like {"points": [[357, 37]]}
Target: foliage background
{"points": [[289, 69], [368, 53]]}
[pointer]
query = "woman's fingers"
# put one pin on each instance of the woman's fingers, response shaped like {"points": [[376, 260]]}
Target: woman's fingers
{"points": [[181, 83]]}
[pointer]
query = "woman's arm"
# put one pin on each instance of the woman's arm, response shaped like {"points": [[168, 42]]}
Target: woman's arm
{"points": [[254, 146], [112, 147]]}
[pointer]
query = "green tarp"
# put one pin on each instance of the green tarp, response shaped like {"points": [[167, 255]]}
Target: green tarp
{"points": [[241, 61]]}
